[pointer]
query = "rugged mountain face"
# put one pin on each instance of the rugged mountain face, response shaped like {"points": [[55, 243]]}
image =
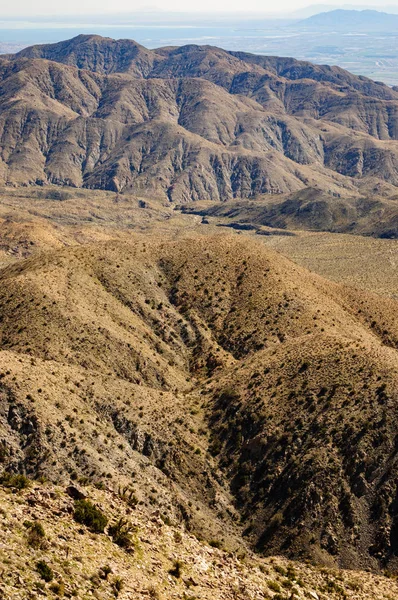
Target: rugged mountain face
{"points": [[220, 374], [97, 54], [190, 123]]}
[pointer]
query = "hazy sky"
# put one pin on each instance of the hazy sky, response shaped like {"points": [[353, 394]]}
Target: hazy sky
{"points": [[23, 8]]}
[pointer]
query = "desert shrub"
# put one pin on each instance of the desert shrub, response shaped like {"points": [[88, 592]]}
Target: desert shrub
{"points": [[275, 523], [274, 586], [44, 570], [14, 481], [58, 589], [153, 593], [59, 195], [36, 535], [105, 571], [117, 586], [215, 447], [176, 570], [228, 395], [3, 452], [121, 532], [128, 495], [89, 515], [291, 573]]}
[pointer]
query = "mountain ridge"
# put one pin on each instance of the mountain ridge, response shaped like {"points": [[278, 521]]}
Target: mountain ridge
{"points": [[366, 19], [258, 124], [228, 335]]}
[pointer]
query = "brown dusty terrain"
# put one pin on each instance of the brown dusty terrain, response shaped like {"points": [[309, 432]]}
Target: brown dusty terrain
{"points": [[271, 376], [91, 565], [220, 380]]}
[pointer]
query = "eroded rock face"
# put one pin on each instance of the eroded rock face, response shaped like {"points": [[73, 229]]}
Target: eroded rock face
{"points": [[22, 445], [191, 123]]}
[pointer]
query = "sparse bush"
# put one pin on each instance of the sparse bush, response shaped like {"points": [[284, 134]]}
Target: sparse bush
{"points": [[3, 452], [44, 571], [215, 447], [128, 495], [177, 537], [105, 571], [291, 573], [36, 535], [274, 586], [91, 516], [59, 195], [153, 593], [121, 532], [117, 586], [176, 570], [228, 395], [14, 481], [58, 589]]}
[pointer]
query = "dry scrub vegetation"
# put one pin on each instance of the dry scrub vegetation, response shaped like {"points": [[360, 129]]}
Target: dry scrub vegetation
{"points": [[207, 395]]}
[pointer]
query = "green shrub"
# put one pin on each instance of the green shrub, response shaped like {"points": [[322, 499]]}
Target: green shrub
{"points": [[89, 515], [44, 570], [13, 481], [274, 586], [36, 535]]}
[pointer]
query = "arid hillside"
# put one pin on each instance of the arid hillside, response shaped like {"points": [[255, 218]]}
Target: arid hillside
{"points": [[191, 123], [46, 551], [216, 374], [198, 365], [309, 209]]}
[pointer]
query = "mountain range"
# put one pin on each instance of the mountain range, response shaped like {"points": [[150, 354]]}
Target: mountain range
{"points": [[191, 122], [198, 390], [353, 20]]}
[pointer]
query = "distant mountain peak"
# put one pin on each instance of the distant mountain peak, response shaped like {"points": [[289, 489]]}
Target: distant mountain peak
{"points": [[368, 19]]}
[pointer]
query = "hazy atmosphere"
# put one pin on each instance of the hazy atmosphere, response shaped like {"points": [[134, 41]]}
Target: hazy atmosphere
{"points": [[23, 8], [360, 38]]}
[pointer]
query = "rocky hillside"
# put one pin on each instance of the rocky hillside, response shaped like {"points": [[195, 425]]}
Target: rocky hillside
{"points": [[245, 397], [191, 123], [49, 547]]}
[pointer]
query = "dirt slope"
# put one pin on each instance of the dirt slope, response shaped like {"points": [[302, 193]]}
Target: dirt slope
{"points": [[97, 340]]}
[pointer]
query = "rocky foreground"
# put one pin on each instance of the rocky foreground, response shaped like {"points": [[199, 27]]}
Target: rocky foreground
{"points": [[46, 552]]}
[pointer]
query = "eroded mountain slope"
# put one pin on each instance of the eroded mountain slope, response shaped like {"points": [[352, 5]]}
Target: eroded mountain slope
{"points": [[221, 372], [190, 123]]}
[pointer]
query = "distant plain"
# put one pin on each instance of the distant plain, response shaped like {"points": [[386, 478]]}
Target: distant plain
{"points": [[373, 55]]}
